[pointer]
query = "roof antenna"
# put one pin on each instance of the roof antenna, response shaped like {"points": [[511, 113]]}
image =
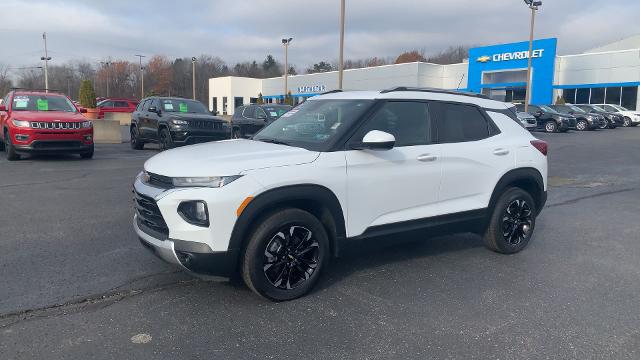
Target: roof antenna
{"points": [[460, 82]]}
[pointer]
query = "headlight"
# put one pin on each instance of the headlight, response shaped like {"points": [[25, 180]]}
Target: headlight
{"points": [[179, 122], [20, 123], [211, 181], [87, 124]]}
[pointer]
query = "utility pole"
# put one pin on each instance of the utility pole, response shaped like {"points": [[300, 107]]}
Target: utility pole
{"points": [[106, 65], [533, 5], [141, 77], [286, 43], [193, 76], [46, 59], [341, 60]]}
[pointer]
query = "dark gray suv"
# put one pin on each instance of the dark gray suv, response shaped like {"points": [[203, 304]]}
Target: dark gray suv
{"points": [[249, 119]]}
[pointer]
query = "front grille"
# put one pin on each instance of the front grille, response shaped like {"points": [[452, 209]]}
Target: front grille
{"points": [[205, 124], [55, 125], [531, 121], [56, 144], [160, 181], [149, 214]]}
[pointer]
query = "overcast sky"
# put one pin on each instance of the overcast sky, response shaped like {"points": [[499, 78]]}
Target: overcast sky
{"points": [[238, 30]]}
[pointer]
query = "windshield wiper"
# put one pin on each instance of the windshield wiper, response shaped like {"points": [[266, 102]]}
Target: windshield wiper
{"points": [[273, 141]]}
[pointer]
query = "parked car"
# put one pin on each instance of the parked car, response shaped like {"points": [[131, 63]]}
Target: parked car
{"points": [[614, 120], [398, 161], [548, 119], [631, 118], [249, 119], [116, 106], [528, 121], [172, 121], [40, 122], [584, 120]]}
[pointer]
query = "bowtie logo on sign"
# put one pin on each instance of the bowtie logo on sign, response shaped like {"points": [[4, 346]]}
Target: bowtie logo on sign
{"points": [[312, 89], [516, 55]]}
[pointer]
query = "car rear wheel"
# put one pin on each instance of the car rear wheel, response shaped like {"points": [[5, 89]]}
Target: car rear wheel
{"points": [[582, 125], [236, 134], [285, 255], [8, 147], [550, 126], [627, 122], [166, 142], [512, 222], [136, 142]]}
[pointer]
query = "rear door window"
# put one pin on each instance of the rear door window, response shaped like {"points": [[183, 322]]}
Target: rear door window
{"points": [[460, 123]]}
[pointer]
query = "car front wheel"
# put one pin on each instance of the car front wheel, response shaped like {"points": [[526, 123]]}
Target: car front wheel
{"points": [[285, 255], [136, 142], [166, 142], [8, 147], [512, 222], [627, 122], [550, 126], [582, 125]]}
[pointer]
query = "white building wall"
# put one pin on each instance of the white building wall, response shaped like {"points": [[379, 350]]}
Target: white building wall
{"points": [[598, 68], [230, 87]]}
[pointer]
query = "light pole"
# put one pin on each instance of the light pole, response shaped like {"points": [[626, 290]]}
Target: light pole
{"points": [[46, 59], [533, 5], [141, 77], [193, 77], [341, 59], [106, 65], [286, 43]]}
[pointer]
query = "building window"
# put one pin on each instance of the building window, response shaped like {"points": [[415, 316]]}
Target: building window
{"points": [[253, 100], [629, 97], [237, 102], [597, 96], [582, 96], [224, 105], [613, 95], [569, 95], [214, 105]]}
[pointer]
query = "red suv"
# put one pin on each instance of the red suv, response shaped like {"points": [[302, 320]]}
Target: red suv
{"points": [[39, 122], [116, 105]]}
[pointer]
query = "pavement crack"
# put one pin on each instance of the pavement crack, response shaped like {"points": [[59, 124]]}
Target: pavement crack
{"points": [[85, 304], [591, 196]]}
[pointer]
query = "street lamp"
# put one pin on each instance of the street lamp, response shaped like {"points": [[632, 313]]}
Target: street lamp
{"points": [[193, 76], [286, 43], [341, 59], [46, 59], [106, 65], [141, 76], [533, 5]]}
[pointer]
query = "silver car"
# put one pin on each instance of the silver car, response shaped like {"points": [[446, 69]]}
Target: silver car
{"points": [[528, 121]]}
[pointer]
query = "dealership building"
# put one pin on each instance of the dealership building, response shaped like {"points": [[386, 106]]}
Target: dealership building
{"points": [[608, 74]]}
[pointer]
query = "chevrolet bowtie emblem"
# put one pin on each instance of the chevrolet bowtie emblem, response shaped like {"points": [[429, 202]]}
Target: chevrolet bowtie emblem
{"points": [[483, 59]]}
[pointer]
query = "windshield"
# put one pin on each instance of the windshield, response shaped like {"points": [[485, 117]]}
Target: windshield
{"points": [[275, 111], [182, 106], [315, 124], [547, 109], [619, 108], [42, 103], [598, 108], [575, 109]]}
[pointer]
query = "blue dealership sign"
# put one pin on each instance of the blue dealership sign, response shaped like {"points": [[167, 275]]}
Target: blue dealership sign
{"points": [[501, 59]]}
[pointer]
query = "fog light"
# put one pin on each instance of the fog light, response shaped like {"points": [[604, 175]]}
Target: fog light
{"points": [[87, 137], [194, 212], [21, 137]]}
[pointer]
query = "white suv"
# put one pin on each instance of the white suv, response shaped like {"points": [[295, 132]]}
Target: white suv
{"points": [[340, 167]]}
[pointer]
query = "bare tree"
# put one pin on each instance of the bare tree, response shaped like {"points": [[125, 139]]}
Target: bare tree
{"points": [[5, 82]]}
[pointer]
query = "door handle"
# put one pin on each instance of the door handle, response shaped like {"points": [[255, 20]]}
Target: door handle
{"points": [[427, 157], [500, 152]]}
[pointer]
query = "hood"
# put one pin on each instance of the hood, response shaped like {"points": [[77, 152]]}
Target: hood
{"points": [[191, 116], [629, 113], [47, 116], [224, 158]]}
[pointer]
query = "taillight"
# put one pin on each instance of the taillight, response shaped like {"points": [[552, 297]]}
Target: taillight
{"points": [[541, 146]]}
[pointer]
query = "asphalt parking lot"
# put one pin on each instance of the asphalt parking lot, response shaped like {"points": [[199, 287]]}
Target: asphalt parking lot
{"points": [[76, 284]]}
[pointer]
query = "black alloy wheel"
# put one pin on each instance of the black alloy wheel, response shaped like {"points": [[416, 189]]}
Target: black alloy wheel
{"points": [[291, 257], [136, 142], [582, 125], [551, 126], [166, 142], [517, 222], [8, 147], [236, 133]]}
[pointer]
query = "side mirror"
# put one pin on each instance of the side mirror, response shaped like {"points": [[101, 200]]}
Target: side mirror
{"points": [[378, 140], [153, 109], [3, 108], [83, 110], [539, 113], [262, 117]]}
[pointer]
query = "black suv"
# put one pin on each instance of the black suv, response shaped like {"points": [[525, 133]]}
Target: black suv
{"points": [[249, 119], [550, 120], [173, 121], [584, 120], [613, 119]]}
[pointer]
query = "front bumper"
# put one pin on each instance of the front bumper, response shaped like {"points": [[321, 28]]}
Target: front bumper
{"points": [[190, 137], [30, 140], [54, 147]]}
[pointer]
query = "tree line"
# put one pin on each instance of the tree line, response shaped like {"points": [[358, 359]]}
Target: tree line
{"points": [[173, 77]]}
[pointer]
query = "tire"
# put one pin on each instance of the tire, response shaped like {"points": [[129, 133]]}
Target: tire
{"points": [[627, 122], [270, 254], [88, 154], [166, 143], [505, 234], [604, 125], [136, 142], [2, 143], [236, 134], [8, 147], [613, 125], [582, 125], [551, 126]]}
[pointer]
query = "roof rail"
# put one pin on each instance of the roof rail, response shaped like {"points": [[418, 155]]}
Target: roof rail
{"points": [[28, 89], [331, 92], [434, 90]]}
